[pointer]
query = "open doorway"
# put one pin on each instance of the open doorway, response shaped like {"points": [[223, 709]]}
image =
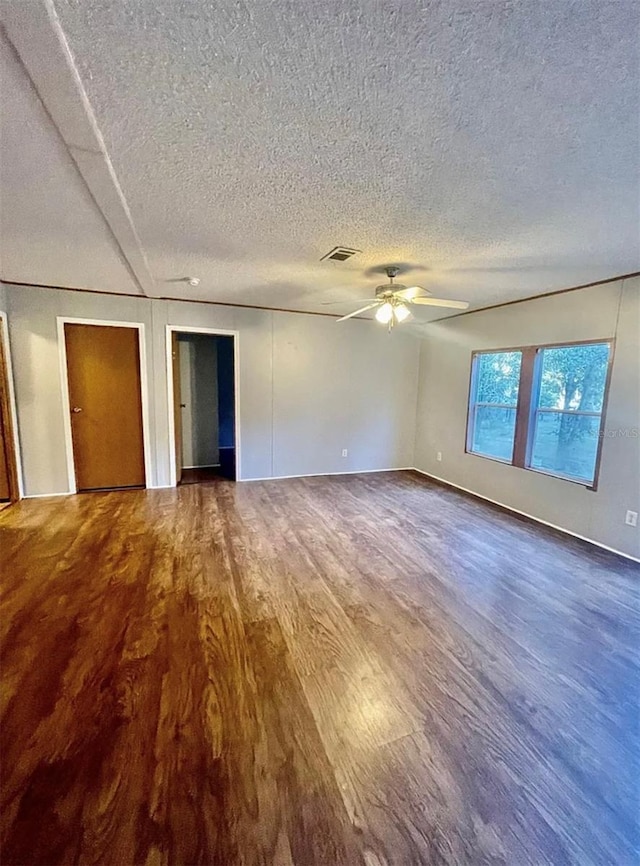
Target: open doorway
{"points": [[204, 406]]}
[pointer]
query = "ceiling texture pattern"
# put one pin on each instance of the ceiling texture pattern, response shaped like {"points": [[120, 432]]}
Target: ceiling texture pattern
{"points": [[50, 228], [490, 147]]}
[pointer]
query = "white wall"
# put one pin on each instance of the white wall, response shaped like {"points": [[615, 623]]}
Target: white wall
{"points": [[612, 310], [308, 387], [36, 369]]}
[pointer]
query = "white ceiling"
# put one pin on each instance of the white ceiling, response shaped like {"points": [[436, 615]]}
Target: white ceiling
{"points": [[493, 146], [50, 228]]}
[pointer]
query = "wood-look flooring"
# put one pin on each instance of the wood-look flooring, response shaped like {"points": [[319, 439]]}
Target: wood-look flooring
{"points": [[201, 475], [353, 670]]}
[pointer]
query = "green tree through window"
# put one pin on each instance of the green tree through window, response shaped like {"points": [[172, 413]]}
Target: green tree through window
{"points": [[568, 409], [495, 400]]}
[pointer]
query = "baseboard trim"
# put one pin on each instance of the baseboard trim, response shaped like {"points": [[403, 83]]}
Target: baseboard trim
{"points": [[525, 514], [265, 478], [329, 474], [47, 495], [428, 475], [104, 490], [69, 493]]}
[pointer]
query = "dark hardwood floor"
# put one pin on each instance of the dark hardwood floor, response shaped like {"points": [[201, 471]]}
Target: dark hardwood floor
{"points": [[201, 475], [352, 670]]}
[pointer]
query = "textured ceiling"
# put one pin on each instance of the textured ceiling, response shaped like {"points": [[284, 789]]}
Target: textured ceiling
{"points": [[50, 228], [491, 145]]}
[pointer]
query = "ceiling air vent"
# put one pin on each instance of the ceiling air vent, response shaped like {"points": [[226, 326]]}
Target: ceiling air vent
{"points": [[339, 254]]}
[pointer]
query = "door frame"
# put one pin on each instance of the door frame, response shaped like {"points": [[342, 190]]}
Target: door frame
{"points": [[13, 410], [221, 332], [66, 405]]}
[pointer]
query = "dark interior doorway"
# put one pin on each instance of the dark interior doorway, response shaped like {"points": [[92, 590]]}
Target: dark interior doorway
{"points": [[204, 391]]}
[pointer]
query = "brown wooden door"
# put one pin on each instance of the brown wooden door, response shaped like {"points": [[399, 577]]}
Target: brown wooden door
{"points": [[5, 484], [8, 469], [105, 397], [177, 406]]}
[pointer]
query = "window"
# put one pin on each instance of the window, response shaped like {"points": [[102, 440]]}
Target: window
{"points": [[567, 410], [540, 408], [494, 402]]}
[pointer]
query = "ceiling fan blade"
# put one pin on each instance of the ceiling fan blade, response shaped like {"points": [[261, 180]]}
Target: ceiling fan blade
{"points": [[403, 318], [412, 292], [345, 301], [441, 302], [361, 310]]}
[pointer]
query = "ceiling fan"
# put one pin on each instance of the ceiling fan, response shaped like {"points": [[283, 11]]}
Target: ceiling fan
{"points": [[392, 299]]}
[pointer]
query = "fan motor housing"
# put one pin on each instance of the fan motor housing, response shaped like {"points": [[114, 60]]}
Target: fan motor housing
{"points": [[388, 290]]}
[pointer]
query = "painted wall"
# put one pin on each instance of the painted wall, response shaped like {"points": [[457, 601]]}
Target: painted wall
{"points": [[310, 388], [199, 394], [36, 369], [307, 387], [611, 310]]}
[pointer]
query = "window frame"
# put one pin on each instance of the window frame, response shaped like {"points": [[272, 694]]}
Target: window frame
{"points": [[472, 404], [526, 412]]}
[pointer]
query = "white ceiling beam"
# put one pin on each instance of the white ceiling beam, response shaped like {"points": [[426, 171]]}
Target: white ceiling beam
{"points": [[35, 32]]}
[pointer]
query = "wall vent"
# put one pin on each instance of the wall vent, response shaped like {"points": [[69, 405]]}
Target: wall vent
{"points": [[339, 254]]}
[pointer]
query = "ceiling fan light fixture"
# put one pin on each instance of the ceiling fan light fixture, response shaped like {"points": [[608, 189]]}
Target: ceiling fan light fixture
{"points": [[393, 302], [384, 314]]}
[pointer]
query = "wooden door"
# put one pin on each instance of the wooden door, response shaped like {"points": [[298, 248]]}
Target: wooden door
{"points": [[105, 398], [8, 468], [177, 405], [5, 484]]}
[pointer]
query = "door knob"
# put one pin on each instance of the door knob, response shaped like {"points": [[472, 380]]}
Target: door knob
{"points": [[76, 409]]}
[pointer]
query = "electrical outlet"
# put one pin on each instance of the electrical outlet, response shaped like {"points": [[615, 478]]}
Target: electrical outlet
{"points": [[632, 518], [344, 452], [439, 456]]}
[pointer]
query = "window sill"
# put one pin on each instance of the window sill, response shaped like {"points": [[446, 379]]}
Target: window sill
{"points": [[590, 485], [490, 457]]}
